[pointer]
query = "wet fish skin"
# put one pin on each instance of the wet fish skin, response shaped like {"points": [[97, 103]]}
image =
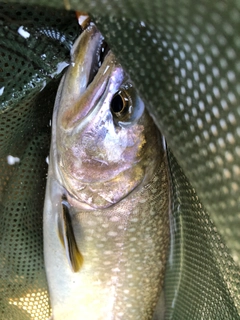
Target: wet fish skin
{"points": [[106, 224]]}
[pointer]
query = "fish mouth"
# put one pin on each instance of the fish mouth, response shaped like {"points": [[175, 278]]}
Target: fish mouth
{"points": [[89, 52], [88, 79], [101, 53]]}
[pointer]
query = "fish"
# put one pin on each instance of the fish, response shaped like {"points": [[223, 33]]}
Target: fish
{"points": [[106, 210]]}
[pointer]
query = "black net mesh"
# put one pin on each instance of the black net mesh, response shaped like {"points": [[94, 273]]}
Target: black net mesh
{"points": [[184, 58]]}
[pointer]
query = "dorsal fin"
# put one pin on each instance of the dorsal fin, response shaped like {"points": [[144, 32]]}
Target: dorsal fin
{"points": [[67, 238]]}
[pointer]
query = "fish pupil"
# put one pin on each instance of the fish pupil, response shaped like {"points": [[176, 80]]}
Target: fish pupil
{"points": [[117, 104]]}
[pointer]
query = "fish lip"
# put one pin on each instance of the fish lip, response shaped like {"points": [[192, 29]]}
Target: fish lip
{"points": [[100, 52], [100, 60]]}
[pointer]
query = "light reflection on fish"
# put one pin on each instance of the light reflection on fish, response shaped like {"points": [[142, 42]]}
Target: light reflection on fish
{"points": [[106, 226]]}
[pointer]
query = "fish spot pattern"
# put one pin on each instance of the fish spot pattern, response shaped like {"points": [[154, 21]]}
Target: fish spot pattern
{"points": [[134, 256]]}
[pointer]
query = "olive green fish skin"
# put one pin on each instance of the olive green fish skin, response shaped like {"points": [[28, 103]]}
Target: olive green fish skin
{"points": [[123, 238]]}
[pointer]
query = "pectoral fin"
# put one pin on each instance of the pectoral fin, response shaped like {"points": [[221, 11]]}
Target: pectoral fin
{"points": [[67, 238]]}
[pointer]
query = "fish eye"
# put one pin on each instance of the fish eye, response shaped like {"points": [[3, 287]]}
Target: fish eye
{"points": [[120, 104]]}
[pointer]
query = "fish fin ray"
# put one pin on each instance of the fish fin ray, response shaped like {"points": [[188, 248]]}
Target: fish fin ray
{"points": [[67, 237]]}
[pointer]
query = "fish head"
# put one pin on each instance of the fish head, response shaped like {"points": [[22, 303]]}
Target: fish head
{"points": [[104, 140]]}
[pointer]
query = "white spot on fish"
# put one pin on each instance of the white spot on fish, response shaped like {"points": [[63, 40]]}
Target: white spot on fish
{"points": [[43, 56], [133, 239], [105, 225], [12, 160], [47, 160], [112, 233], [119, 244], [60, 67], [1, 90], [95, 259], [23, 32], [108, 252], [114, 219]]}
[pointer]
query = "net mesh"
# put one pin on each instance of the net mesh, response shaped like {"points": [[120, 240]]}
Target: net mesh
{"points": [[29, 79], [184, 58]]}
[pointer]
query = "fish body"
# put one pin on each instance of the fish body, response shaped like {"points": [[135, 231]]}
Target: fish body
{"points": [[106, 224]]}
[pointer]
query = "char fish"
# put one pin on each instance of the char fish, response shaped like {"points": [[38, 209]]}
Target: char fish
{"points": [[106, 223]]}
